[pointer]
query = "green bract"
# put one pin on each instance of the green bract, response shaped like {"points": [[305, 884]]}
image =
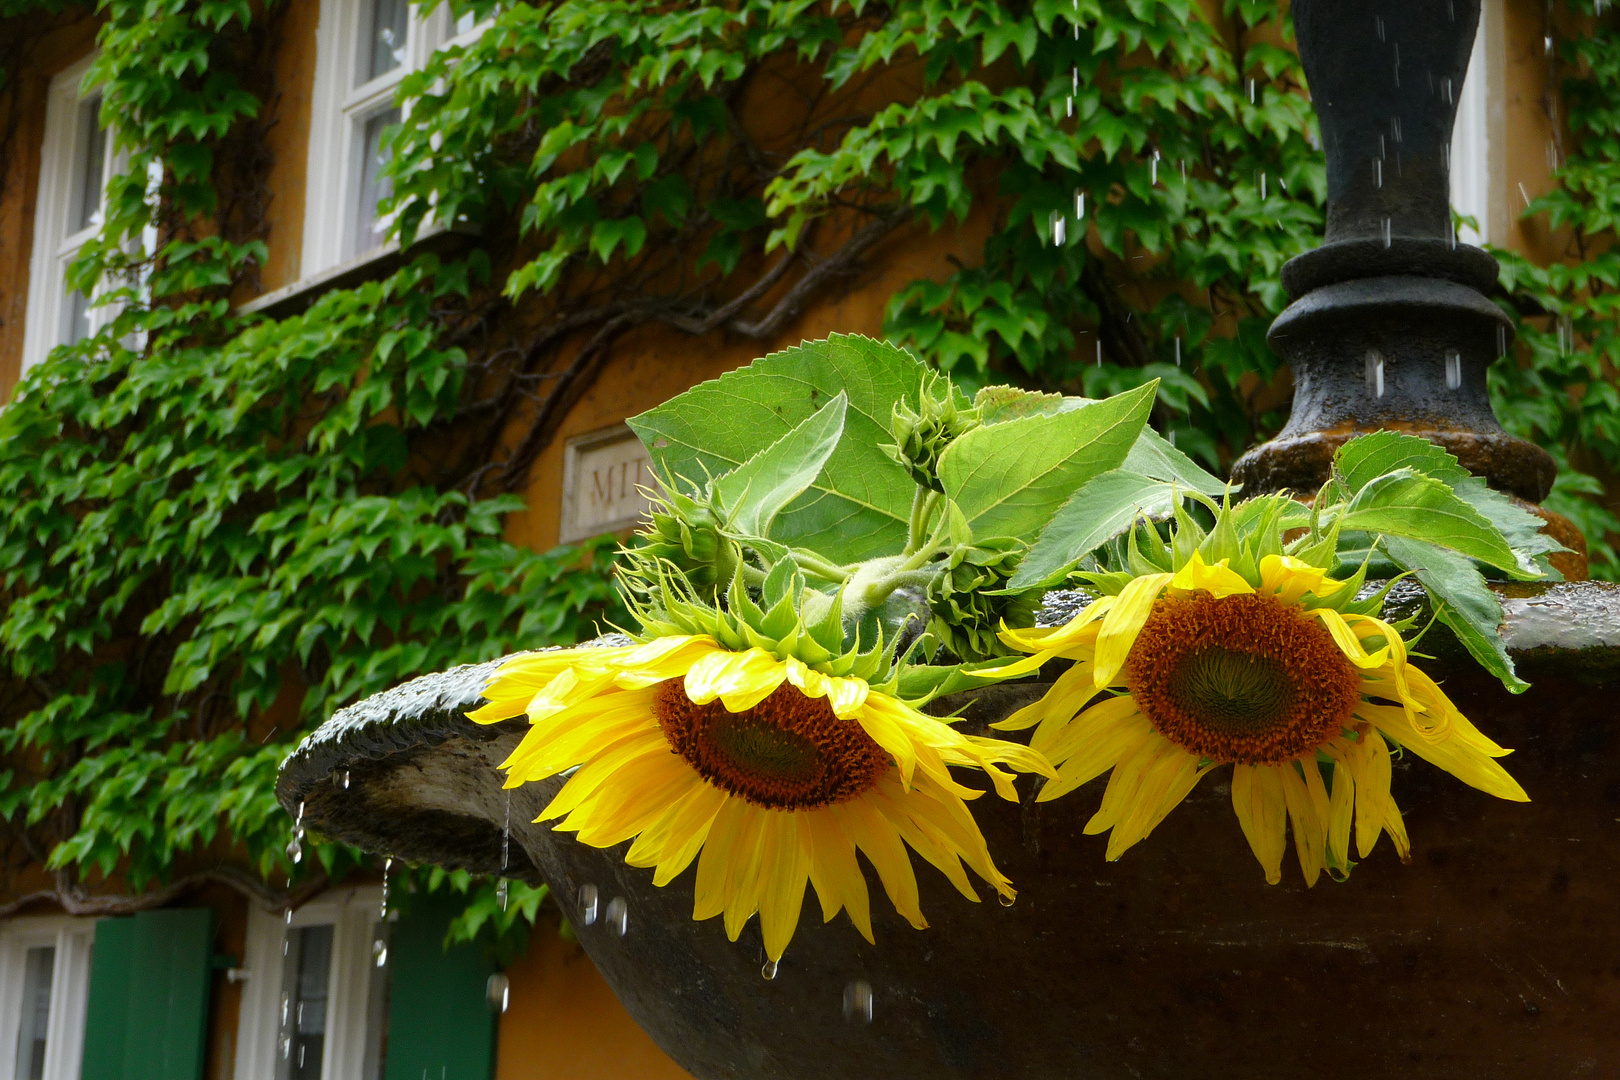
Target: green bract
{"points": [[1030, 492]]}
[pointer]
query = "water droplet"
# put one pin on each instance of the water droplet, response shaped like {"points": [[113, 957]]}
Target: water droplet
{"points": [[1253, 97], [345, 779], [1262, 185], [1153, 170], [1079, 204], [1501, 341], [295, 850], [498, 992], [388, 864], [858, 1001], [1099, 350], [1453, 369], [587, 905], [768, 972], [1178, 352], [1388, 237], [1007, 899], [1548, 44], [502, 890], [379, 953], [618, 915], [1375, 372], [1379, 21], [289, 917], [1378, 171], [1058, 229]]}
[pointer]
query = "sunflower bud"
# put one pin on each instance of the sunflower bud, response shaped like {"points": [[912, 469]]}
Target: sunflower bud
{"points": [[686, 534], [922, 434], [966, 618]]}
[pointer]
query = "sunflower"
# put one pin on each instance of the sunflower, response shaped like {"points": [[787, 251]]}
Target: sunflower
{"points": [[1273, 671], [771, 760]]}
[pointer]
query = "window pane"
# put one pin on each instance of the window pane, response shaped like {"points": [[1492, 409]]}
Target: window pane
{"points": [[76, 318], [305, 988], [38, 971], [369, 232], [383, 45], [92, 151]]}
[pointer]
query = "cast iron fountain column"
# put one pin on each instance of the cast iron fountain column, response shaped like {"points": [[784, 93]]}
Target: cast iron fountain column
{"points": [[1390, 326]]}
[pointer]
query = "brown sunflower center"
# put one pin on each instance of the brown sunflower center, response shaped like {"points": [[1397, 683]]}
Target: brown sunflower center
{"points": [[1242, 678], [789, 752]]}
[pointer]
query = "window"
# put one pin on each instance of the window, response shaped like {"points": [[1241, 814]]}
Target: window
{"points": [[1476, 140], [315, 1006], [75, 160], [364, 49], [44, 978]]}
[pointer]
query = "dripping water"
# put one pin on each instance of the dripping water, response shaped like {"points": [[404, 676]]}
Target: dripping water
{"points": [[1453, 369], [768, 972], [587, 905], [388, 865], [618, 916], [858, 1001]]}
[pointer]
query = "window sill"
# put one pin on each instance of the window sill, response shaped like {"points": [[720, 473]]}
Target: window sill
{"points": [[296, 298]]}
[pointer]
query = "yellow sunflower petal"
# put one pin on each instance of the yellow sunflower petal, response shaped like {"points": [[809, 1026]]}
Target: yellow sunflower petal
{"points": [[1123, 622], [882, 845], [1455, 755], [1165, 783], [740, 680], [836, 873], [1289, 579], [1126, 781], [753, 861], [1218, 580], [1307, 804], [1262, 811], [782, 892], [1341, 808], [714, 864], [1098, 740], [1348, 641]]}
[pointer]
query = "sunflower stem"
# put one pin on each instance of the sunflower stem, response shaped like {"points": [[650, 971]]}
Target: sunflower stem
{"points": [[922, 509]]}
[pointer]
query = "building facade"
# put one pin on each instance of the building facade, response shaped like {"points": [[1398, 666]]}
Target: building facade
{"points": [[213, 984]]}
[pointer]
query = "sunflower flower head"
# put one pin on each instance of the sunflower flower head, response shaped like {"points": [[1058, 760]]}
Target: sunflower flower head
{"points": [[1225, 648], [749, 739]]}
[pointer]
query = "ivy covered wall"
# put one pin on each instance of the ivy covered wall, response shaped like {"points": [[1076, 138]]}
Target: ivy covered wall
{"points": [[215, 529]]}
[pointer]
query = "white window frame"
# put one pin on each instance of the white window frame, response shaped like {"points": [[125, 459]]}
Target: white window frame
{"points": [[54, 247], [338, 112], [70, 989], [353, 914], [1477, 143]]}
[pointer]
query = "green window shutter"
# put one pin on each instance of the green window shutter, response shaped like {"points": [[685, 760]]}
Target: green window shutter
{"points": [[107, 1010], [439, 1023], [150, 978]]}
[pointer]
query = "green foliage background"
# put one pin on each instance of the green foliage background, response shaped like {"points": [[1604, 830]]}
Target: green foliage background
{"points": [[202, 513]]}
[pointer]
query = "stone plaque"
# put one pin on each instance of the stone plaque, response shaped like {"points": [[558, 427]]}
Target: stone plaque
{"points": [[604, 474]]}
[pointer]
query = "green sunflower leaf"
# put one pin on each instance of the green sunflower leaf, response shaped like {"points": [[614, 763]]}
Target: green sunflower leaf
{"points": [[1010, 478], [860, 505], [1367, 457], [1466, 604], [757, 490], [1408, 504], [1099, 511]]}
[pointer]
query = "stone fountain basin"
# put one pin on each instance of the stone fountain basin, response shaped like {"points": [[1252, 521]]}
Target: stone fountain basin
{"points": [[1496, 953]]}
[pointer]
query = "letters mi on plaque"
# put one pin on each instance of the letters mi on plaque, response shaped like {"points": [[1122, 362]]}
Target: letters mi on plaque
{"points": [[604, 473]]}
